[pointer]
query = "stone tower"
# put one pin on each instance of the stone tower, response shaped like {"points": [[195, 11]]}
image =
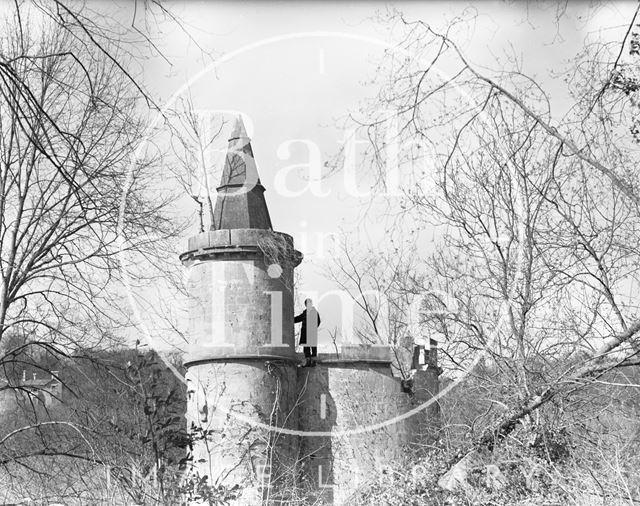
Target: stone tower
{"points": [[259, 423], [241, 369]]}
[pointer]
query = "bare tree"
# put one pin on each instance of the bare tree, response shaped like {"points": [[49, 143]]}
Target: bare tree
{"points": [[195, 143], [384, 287], [73, 199], [538, 220]]}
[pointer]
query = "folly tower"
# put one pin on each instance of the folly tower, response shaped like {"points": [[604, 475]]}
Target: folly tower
{"points": [[259, 424], [241, 369]]}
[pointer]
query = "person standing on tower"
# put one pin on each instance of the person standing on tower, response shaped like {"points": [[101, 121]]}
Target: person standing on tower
{"points": [[310, 319]]}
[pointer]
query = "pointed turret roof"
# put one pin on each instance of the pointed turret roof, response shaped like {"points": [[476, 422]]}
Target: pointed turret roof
{"points": [[239, 131], [240, 202]]}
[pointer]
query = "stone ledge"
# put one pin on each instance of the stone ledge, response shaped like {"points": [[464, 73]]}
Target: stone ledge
{"points": [[229, 354], [337, 361], [242, 241], [192, 361], [358, 353], [244, 252]]}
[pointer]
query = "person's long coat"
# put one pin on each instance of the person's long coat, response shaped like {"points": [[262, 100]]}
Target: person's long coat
{"points": [[312, 330]]}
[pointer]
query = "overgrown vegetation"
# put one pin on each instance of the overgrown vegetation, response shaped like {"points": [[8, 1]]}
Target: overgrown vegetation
{"points": [[531, 285], [115, 433]]}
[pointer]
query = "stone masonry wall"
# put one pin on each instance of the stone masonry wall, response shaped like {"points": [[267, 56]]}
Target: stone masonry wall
{"points": [[356, 405], [236, 307], [231, 408], [241, 370], [244, 384]]}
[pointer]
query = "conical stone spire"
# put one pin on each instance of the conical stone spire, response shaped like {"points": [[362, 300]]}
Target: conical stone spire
{"points": [[240, 202]]}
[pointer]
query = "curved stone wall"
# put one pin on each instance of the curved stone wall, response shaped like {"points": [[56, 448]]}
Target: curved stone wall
{"points": [[227, 402], [342, 398]]}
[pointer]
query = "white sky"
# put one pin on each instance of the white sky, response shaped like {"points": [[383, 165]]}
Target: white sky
{"points": [[298, 88]]}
